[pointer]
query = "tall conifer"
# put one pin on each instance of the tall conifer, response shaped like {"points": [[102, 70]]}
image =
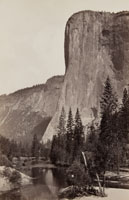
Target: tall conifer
{"points": [[107, 136], [70, 136], [78, 136]]}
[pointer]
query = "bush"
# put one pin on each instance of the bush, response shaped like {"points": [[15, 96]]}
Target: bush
{"points": [[79, 181], [14, 177], [72, 192], [76, 175], [77, 191], [7, 172], [4, 161]]}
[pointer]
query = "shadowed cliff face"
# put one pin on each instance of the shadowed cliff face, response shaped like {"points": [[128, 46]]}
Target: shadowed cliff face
{"points": [[29, 111], [96, 45]]}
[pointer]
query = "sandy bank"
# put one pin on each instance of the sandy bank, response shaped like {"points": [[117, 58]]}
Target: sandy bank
{"points": [[112, 194]]}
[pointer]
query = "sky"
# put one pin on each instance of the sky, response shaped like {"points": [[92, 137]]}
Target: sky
{"points": [[32, 38]]}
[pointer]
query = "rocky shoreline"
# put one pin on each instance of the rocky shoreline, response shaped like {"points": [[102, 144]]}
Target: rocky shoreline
{"points": [[6, 185]]}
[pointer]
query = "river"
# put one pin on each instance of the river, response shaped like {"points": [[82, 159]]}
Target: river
{"points": [[45, 186]]}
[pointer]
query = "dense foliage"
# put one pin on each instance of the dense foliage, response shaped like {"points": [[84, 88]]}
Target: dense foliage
{"points": [[76, 175], [68, 143], [11, 148], [114, 132], [106, 146], [107, 141]]}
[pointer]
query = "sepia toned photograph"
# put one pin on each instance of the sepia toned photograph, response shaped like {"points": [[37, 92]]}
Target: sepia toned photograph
{"points": [[64, 100]]}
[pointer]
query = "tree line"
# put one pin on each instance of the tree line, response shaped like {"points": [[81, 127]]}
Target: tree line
{"points": [[113, 140], [69, 140], [108, 142], [11, 148]]}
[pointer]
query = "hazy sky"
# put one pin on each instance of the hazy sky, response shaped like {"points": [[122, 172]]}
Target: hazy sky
{"points": [[32, 38]]}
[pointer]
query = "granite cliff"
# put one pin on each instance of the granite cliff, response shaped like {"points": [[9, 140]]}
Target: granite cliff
{"points": [[96, 46], [29, 111]]}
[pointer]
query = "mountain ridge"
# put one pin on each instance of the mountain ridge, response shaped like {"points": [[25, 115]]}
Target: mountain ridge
{"points": [[24, 110]]}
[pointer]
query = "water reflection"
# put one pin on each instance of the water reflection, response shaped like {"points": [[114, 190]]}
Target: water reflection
{"points": [[46, 184]]}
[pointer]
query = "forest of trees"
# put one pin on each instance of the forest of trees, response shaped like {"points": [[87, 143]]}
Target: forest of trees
{"points": [[39, 149], [11, 148], [108, 141], [112, 145], [68, 143]]}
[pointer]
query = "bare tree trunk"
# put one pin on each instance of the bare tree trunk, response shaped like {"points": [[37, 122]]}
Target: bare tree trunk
{"points": [[118, 159], [100, 187], [85, 162], [102, 191], [104, 183]]}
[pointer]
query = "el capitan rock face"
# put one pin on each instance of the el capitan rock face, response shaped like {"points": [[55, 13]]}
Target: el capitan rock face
{"points": [[96, 46], [29, 111]]}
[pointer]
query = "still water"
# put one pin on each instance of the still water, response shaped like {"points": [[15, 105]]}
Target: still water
{"points": [[45, 186]]}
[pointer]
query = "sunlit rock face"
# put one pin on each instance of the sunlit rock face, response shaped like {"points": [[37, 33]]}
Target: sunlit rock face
{"points": [[96, 46], [28, 111]]}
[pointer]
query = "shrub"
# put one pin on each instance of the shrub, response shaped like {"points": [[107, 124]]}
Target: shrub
{"points": [[4, 161], [14, 177], [77, 191], [76, 175], [72, 192], [7, 172], [79, 181]]}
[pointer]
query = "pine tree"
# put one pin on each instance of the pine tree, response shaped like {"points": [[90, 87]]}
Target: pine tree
{"points": [[108, 106], [78, 136], [61, 137], [107, 136], [92, 138], [125, 115], [5, 146], [125, 97], [54, 150], [123, 125], [62, 122], [58, 148], [108, 103], [35, 147], [70, 137]]}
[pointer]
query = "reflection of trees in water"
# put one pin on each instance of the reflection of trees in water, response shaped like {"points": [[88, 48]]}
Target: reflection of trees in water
{"points": [[38, 175], [46, 184], [51, 183], [54, 177], [59, 175]]}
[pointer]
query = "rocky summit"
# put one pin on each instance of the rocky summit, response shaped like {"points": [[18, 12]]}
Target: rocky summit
{"points": [[96, 46]]}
